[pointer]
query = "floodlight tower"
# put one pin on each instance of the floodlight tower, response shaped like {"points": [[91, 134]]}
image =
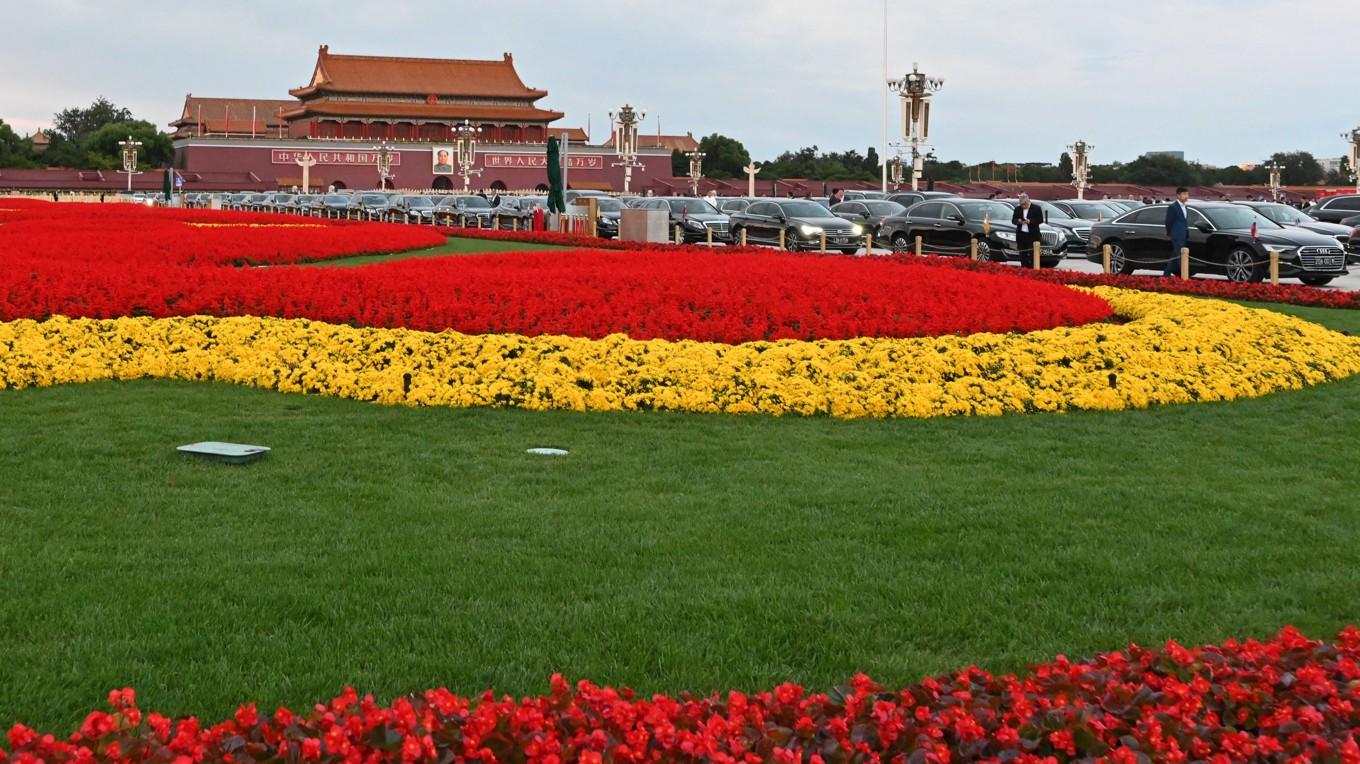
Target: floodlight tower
{"points": [[1081, 168], [916, 89], [626, 140], [465, 150], [129, 147]]}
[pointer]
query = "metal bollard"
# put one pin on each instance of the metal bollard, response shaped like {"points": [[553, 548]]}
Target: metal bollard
{"points": [[1185, 263], [679, 235], [709, 235], [496, 222], [514, 224], [824, 242], [462, 220], [1038, 249], [918, 246], [1275, 268], [868, 243], [781, 238], [972, 250], [1105, 259], [743, 237]]}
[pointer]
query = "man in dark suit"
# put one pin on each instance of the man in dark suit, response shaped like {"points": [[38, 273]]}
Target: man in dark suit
{"points": [[1026, 219], [1178, 228]]}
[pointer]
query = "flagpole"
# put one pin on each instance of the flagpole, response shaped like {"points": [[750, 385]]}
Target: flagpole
{"points": [[253, 117], [883, 88]]}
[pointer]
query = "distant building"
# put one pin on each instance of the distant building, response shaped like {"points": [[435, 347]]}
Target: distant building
{"points": [[1331, 164], [685, 142], [40, 142], [1173, 154], [231, 116]]}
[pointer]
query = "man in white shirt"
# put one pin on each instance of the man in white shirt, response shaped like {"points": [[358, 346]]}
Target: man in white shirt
{"points": [[1178, 229]]}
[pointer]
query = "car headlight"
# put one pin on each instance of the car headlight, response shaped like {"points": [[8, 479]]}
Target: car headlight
{"points": [[810, 230], [694, 224], [857, 229], [1283, 250], [1005, 236]]}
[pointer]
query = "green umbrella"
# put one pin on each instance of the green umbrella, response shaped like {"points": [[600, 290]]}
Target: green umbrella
{"points": [[556, 202], [168, 185]]}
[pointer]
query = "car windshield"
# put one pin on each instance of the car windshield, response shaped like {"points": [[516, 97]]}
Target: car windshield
{"points": [[804, 210], [985, 210], [473, 203], [885, 209], [336, 199], [692, 206], [606, 204], [373, 199], [283, 197], [1238, 218], [1282, 213], [419, 201], [1097, 211], [1052, 212]]}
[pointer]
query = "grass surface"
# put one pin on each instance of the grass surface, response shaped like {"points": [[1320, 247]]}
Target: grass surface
{"points": [[455, 246], [396, 548]]}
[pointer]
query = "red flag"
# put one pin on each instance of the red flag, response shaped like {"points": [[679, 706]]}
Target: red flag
{"points": [[1253, 230]]}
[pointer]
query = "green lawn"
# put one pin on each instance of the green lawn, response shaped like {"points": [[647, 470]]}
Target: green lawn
{"points": [[455, 246], [398, 548]]}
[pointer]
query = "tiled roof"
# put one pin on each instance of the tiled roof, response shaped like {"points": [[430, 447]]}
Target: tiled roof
{"points": [[444, 111], [416, 76], [235, 110]]}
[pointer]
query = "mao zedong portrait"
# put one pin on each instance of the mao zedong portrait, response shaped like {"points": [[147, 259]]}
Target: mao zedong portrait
{"points": [[442, 163]]}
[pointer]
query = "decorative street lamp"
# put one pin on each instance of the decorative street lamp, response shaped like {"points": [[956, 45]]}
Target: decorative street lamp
{"points": [[696, 170], [385, 155], [465, 149], [1353, 137], [1274, 184], [916, 89], [1081, 168], [626, 140], [130, 159]]}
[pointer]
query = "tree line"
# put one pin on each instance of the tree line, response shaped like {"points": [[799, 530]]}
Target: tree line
{"points": [[87, 138]]}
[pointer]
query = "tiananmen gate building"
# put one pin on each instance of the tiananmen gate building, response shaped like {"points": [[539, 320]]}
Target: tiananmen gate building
{"points": [[352, 103]]}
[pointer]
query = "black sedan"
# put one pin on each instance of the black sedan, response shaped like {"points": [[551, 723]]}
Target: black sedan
{"points": [[1334, 209], [694, 217], [1075, 230], [869, 214], [1086, 209], [803, 223], [1221, 241], [948, 227], [1288, 216]]}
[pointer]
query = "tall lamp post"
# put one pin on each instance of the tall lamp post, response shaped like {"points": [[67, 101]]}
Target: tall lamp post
{"points": [[129, 147], [916, 89], [385, 155], [696, 170], [897, 171], [626, 140], [1274, 169], [1353, 138], [465, 148], [1081, 166]]}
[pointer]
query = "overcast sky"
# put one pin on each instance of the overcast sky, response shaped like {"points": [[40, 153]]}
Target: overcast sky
{"points": [[1226, 81]]}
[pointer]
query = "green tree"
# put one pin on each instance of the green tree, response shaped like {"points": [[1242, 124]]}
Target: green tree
{"points": [[1065, 165], [1342, 174], [76, 124], [14, 151], [679, 163], [872, 163], [1299, 168], [1161, 170], [102, 151], [723, 157]]}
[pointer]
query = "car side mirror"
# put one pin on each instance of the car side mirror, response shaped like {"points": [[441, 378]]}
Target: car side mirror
{"points": [[1203, 227]]}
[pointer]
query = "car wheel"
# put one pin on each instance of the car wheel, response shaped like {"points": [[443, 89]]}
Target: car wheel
{"points": [[901, 245], [986, 255], [1240, 266], [1316, 280], [735, 237], [1119, 260], [791, 240]]}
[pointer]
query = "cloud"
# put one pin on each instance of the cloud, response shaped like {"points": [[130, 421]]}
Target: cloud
{"points": [[1224, 80]]}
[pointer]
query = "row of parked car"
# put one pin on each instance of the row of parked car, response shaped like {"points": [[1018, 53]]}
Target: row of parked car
{"points": [[1234, 239]]}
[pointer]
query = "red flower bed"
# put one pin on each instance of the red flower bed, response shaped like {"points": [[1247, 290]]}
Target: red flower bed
{"points": [[43, 234], [116, 260], [1292, 294], [1287, 699]]}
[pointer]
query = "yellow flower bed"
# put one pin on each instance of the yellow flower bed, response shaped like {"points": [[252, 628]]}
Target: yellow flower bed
{"points": [[1172, 350]]}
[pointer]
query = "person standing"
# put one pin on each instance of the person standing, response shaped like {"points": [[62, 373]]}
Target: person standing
{"points": [[1178, 228], [837, 196], [1026, 219]]}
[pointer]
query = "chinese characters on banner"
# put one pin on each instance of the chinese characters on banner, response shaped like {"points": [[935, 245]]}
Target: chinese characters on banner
{"points": [[288, 156], [583, 162]]}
